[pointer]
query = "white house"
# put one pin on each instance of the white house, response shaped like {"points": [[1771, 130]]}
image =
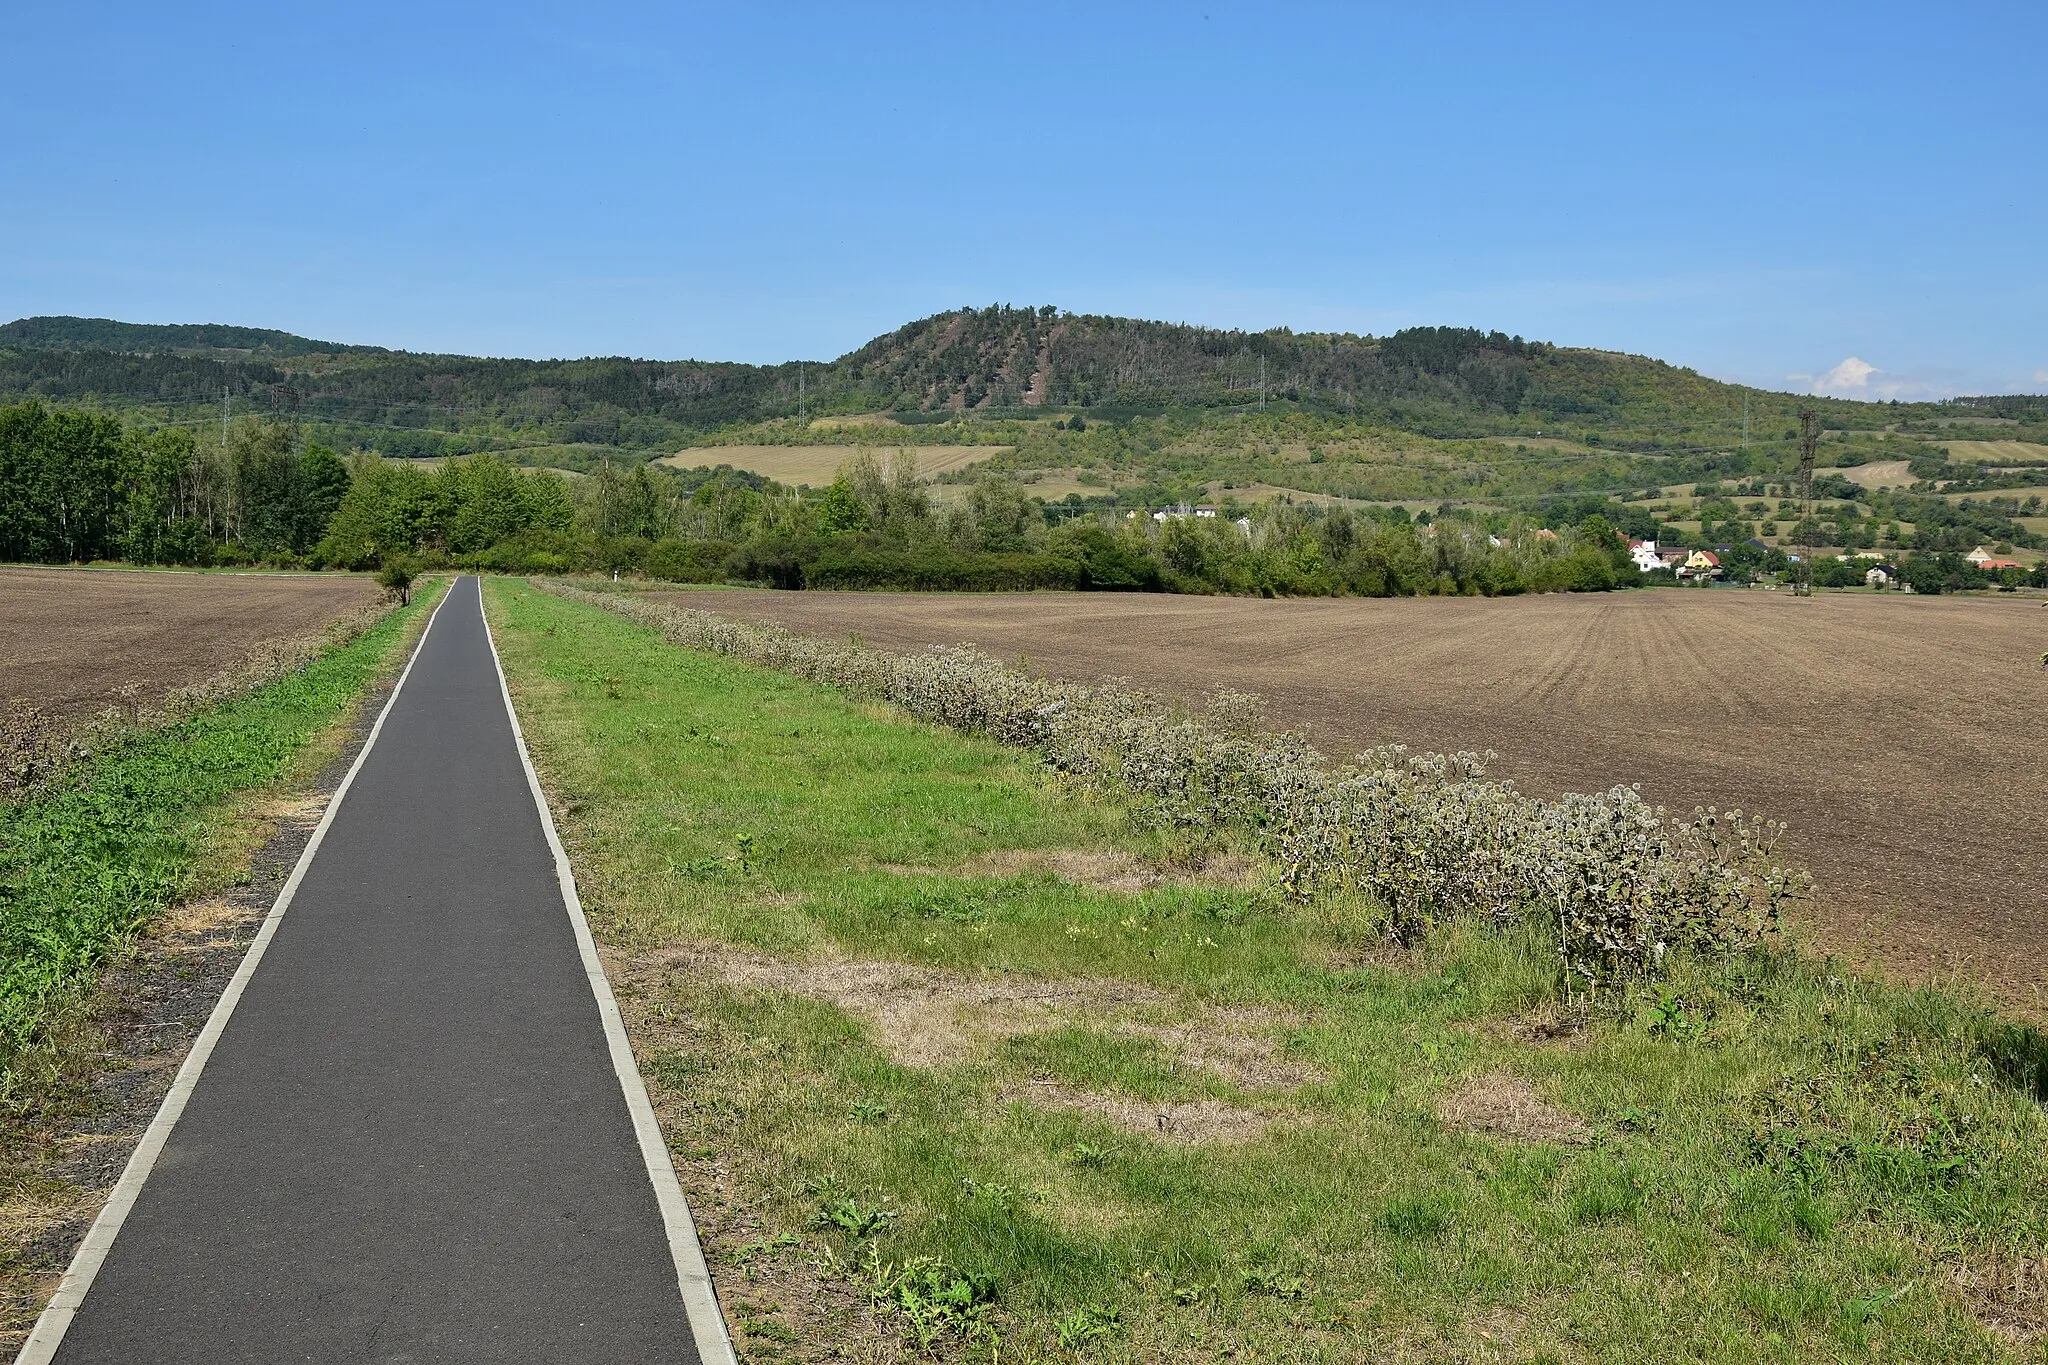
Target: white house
{"points": [[1644, 553]]}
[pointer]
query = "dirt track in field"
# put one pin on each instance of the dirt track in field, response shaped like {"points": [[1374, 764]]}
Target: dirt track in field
{"points": [[72, 639], [1905, 740]]}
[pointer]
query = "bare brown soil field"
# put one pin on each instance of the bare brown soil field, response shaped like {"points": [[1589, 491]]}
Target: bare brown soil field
{"points": [[72, 639], [816, 465], [1901, 738]]}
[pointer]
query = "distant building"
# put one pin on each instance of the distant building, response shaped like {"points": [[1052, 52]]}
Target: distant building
{"points": [[1978, 556], [1644, 553], [1700, 566], [1993, 565], [1880, 576]]}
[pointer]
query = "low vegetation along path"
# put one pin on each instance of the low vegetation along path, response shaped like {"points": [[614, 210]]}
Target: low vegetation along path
{"points": [[418, 1135]]}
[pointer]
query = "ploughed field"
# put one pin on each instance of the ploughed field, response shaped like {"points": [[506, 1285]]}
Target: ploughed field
{"points": [[74, 641], [1904, 740]]}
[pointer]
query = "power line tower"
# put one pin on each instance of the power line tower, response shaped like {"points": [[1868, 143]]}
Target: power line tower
{"points": [[1809, 445]]}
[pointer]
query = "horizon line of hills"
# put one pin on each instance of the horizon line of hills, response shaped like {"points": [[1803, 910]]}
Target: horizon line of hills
{"points": [[992, 363]]}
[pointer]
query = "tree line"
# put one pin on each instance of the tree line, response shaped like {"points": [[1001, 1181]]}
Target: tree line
{"points": [[82, 486]]}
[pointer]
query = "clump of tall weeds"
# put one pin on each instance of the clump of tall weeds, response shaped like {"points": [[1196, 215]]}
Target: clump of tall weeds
{"points": [[1423, 837]]}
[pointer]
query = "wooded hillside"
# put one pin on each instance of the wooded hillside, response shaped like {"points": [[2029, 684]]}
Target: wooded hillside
{"points": [[1435, 381]]}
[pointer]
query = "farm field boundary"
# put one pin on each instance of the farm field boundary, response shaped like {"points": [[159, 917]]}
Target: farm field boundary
{"points": [[1891, 734], [133, 882], [947, 1047]]}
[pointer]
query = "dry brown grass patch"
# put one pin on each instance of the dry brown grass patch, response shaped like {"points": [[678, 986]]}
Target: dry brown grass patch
{"points": [[2008, 1294], [1111, 870], [925, 1017], [1197, 1122], [1549, 1025], [1505, 1105]]}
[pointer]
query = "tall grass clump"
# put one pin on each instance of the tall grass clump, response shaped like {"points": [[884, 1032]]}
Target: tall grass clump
{"points": [[1420, 837]]}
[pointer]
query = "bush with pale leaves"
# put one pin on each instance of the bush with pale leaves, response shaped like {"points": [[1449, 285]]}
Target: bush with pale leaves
{"points": [[1421, 836]]}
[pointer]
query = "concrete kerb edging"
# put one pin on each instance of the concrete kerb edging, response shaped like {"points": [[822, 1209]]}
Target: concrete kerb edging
{"points": [[693, 1276], [55, 1319]]}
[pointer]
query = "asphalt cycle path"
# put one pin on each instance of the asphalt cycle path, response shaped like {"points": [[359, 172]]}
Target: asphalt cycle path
{"points": [[416, 1133]]}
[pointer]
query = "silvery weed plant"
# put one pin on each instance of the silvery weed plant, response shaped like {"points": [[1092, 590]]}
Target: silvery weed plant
{"points": [[1420, 836]]}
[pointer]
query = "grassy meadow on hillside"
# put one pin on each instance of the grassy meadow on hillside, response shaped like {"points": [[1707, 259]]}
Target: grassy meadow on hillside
{"points": [[817, 465]]}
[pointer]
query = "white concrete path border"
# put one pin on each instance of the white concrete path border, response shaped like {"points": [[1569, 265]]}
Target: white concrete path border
{"points": [[700, 1299]]}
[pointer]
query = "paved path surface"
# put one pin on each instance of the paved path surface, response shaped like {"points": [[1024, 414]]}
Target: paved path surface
{"points": [[410, 1143]]}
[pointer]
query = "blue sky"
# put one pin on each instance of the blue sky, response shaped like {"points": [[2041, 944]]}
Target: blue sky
{"points": [[1785, 194]]}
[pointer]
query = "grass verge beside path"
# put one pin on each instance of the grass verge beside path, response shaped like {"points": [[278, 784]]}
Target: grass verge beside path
{"points": [[87, 863], [949, 1053]]}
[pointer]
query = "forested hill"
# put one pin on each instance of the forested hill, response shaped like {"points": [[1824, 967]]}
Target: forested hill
{"points": [[105, 334], [998, 361]]}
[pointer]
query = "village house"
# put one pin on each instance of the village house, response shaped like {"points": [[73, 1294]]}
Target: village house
{"points": [[1991, 563], [1700, 566], [1646, 556], [1174, 513]]}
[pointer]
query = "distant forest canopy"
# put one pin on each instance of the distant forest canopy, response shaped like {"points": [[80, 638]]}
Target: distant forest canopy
{"points": [[1441, 382], [104, 334]]}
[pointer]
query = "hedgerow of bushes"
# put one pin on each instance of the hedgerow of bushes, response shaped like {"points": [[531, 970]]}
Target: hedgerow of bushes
{"points": [[1417, 837]]}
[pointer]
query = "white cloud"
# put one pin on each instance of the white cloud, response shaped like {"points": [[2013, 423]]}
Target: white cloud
{"points": [[1858, 378], [1850, 379], [2041, 375]]}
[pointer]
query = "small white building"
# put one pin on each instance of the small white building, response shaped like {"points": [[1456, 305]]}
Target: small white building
{"points": [[1644, 553]]}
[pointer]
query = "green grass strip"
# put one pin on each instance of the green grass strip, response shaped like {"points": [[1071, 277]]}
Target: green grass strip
{"points": [[117, 844]]}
